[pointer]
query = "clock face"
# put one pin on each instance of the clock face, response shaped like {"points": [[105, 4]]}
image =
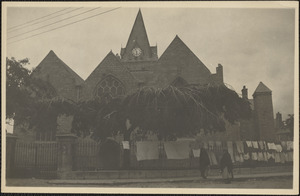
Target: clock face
{"points": [[136, 52]]}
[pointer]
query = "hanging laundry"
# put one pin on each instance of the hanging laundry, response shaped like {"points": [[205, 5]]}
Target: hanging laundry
{"points": [[283, 144], [272, 146], [261, 145], [283, 157], [237, 157], [211, 145], [246, 156], [270, 155], [265, 156], [212, 158], [219, 145], [255, 144], [254, 156], [278, 148], [239, 146], [260, 156], [125, 144], [177, 149], [205, 145], [147, 150], [290, 156], [277, 157], [249, 144], [241, 158], [289, 145], [230, 150], [196, 152]]}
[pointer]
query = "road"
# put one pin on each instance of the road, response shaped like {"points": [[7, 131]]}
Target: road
{"points": [[258, 183]]}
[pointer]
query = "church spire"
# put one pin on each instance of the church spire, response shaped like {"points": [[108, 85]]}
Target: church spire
{"points": [[137, 47]]}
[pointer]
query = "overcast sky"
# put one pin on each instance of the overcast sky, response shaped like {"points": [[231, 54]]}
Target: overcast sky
{"points": [[253, 45]]}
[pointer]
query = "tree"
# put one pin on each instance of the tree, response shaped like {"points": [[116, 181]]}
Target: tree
{"points": [[289, 124], [169, 111], [30, 100]]}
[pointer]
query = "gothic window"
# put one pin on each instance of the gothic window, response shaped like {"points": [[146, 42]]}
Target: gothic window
{"points": [[110, 85], [179, 82]]}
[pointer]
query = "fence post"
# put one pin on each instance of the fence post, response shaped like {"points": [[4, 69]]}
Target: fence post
{"points": [[66, 141], [65, 154], [10, 154]]}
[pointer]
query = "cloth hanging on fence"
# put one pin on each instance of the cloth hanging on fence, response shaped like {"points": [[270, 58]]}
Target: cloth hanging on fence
{"points": [[261, 145], [265, 156], [205, 145], [270, 155], [283, 144], [254, 156], [177, 149], [125, 144], [277, 157], [255, 144], [290, 156], [278, 148], [240, 146], [289, 145], [219, 145], [211, 145], [272, 146], [249, 144], [147, 150], [260, 156], [246, 156], [196, 152], [283, 158], [230, 150], [212, 158]]}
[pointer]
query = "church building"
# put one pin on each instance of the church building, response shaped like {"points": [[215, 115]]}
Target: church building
{"points": [[139, 65]]}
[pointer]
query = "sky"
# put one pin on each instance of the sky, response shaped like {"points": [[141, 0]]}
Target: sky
{"points": [[252, 44]]}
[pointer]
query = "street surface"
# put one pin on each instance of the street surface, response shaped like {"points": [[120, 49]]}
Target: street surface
{"points": [[258, 183]]}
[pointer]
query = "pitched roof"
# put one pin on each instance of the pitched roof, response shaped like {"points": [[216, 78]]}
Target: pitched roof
{"points": [[178, 53], [138, 36], [109, 61], [262, 88], [52, 58]]}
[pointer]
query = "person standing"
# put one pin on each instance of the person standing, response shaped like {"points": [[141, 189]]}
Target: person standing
{"points": [[126, 144], [204, 163], [226, 167]]}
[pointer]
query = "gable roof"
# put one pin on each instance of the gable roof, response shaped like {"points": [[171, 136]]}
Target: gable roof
{"points": [[178, 53], [138, 37], [110, 61], [51, 59], [262, 88]]}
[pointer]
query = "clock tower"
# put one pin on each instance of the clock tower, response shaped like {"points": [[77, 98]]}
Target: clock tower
{"points": [[138, 47]]}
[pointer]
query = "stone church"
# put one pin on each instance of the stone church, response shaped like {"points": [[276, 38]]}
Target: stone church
{"points": [[139, 65]]}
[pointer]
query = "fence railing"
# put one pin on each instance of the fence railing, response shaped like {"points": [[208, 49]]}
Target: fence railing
{"points": [[41, 158], [36, 159]]}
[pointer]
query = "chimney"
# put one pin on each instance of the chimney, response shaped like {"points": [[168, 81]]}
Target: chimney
{"points": [[279, 122], [244, 93], [219, 72]]}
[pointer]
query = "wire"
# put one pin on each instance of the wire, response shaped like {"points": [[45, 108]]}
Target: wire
{"points": [[47, 19], [36, 19], [52, 23], [64, 25]]}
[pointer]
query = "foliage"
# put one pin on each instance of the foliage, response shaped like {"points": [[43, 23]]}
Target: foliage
{"points": [[31, 100], [169, 111], [289, 124]]}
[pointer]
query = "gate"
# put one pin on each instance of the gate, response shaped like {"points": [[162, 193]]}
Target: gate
{"points": [[37, 159]]}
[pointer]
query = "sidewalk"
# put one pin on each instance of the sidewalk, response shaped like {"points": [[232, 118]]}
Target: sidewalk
{"points": [[164, 180]]}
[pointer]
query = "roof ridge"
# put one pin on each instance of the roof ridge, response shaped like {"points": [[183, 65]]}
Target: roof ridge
{"points": [[177, 38]]}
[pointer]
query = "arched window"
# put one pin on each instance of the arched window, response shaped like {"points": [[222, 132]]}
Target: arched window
{"points": [[110, 85], [179, 82]]}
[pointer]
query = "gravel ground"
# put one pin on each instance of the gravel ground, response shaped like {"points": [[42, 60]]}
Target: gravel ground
{"points": [[259, 183]]}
